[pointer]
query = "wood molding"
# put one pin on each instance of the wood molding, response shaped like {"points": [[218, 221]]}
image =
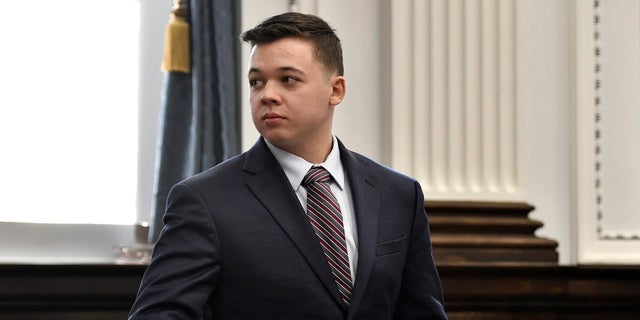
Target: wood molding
{"points": [[473, 232]]}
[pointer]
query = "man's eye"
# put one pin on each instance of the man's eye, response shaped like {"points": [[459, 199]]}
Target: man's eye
{"points": [[254, 82], [288, 79]]}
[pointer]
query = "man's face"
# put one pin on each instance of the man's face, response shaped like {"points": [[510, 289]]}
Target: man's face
{"points": [[292, 96]]}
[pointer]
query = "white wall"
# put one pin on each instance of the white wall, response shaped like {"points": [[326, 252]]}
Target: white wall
{"points": [[545, 93]]}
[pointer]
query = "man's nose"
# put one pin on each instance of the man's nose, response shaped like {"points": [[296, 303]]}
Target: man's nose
{"points": [[270, 94]]}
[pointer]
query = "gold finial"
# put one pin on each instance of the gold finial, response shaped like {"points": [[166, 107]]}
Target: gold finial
{"points": [[178, 8]]}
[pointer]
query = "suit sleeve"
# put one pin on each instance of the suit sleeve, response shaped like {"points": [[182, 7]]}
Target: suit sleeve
{"points": [[186, 262], [421, 292]]}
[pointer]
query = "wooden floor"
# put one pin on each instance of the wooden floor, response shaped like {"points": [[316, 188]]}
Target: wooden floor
{"points": [[105, 292], [541, 292]]}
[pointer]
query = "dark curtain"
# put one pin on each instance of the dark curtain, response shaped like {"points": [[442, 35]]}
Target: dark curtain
{"points": [[200, 118]]}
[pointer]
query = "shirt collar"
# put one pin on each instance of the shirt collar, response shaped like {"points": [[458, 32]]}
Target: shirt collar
{"points": [[296, 167]]}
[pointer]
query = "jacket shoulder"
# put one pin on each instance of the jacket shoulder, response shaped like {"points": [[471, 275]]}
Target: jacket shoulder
{"points": [[224, 171]]}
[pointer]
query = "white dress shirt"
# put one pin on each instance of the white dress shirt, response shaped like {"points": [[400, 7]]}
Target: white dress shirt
{"points": [[296, 168]]}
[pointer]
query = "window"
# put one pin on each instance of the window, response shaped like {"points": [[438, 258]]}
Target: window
{"points": [[80, 92], [69, 112]]}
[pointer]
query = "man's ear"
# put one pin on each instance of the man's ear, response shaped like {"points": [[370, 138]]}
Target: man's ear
{"points": [[339, 89]]}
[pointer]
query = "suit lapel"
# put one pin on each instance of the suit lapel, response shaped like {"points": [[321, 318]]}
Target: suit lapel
{"points": [[366, 202], [272, 188]]}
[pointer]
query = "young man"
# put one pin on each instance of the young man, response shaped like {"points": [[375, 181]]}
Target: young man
{"points": [[298, 227]]}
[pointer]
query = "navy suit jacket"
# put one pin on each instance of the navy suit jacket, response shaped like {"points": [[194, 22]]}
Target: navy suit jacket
{"points": [[237, 244]]}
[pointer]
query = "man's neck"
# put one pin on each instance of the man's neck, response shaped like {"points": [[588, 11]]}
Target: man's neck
{"points": [[316, 153]]}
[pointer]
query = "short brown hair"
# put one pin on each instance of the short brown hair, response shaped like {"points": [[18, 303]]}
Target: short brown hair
{"points": [[303, 26]]}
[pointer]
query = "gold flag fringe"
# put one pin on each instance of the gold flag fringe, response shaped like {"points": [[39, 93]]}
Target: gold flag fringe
{"points": [[176, 41]]}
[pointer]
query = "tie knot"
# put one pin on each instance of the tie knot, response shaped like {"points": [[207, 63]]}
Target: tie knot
{"points": [[316, 174]]}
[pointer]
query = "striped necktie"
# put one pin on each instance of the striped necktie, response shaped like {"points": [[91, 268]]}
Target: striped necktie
{"points": [[325, 217]]}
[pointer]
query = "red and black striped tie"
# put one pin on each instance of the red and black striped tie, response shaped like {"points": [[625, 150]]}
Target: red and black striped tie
{"points": [[325, 217]]}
